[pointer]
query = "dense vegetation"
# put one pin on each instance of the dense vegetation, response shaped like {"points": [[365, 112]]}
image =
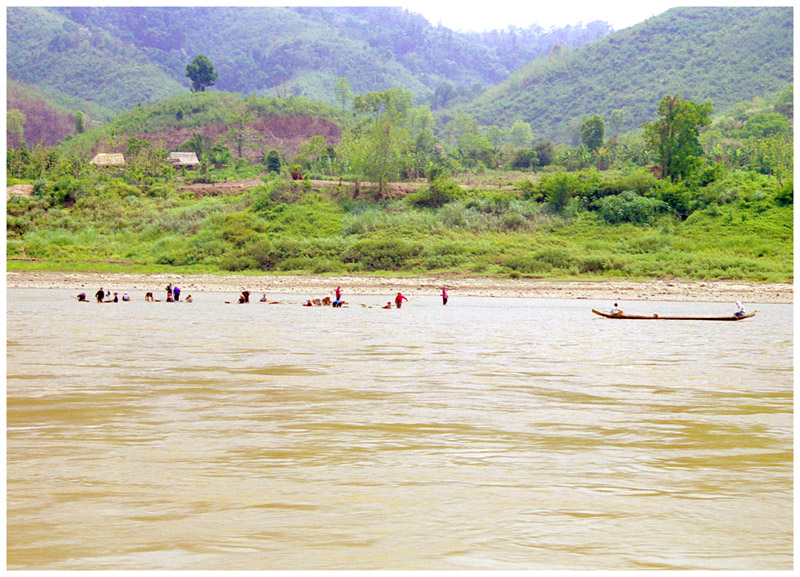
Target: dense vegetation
{"points": [[725, 55], [378, 182], [595, 211], [79, 224], [551, 79], [297, 51], [211, 117]]}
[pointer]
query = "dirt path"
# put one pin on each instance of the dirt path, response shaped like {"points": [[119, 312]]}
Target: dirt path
{"points": [[394, 189]]}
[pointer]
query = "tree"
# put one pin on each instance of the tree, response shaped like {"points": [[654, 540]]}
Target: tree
{"points": [[80, 122], [545, 151], [673, 137], [617, 121], [219, 155], [310, 152], [272, 160], [593, 132], [559, 188], [15, 121], [374, 149], [240, 134], [342, 91], [201, 72], [199, 143], [521, 134], [785, 103]]}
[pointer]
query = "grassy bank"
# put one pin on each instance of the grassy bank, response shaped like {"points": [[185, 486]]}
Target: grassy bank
{"points": [[283, 227]]}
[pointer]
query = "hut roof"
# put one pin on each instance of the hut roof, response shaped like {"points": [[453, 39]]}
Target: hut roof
{"points": [[183, 158], [108, 159]]}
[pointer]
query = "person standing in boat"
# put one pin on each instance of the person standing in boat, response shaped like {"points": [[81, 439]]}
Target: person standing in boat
{"points": [[615, 310], [99, 295], [740, 312]]}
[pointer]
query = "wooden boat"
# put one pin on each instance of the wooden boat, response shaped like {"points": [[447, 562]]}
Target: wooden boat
{"points": [[660, 318]]}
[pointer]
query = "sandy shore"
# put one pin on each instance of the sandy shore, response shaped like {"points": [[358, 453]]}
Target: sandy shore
{"points": [[310, 286]]}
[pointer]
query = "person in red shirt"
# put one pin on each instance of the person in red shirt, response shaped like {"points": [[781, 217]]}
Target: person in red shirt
{"points": [[444, 295], [398, 300]]}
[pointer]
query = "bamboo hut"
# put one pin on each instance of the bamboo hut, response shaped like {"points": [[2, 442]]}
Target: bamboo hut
{"points": [[183, 160], [109, 160]]}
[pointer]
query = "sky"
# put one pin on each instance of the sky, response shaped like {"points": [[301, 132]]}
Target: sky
{"points": [[499, 14], [481, 15]]}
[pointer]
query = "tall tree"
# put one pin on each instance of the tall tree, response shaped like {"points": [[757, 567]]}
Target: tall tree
{"points": [[342, 91], [240, 134], [373, 149], [673, 137], [593, 132], [80, 122], [545, 151], [521, 134], [617, 121], [201, 72], [15, 128]]}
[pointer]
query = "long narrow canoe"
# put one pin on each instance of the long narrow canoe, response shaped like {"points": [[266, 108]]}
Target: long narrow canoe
{"points": [[660, 318]]}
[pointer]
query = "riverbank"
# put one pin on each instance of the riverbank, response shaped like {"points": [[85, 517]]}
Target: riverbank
{"points": [[310, 286]]}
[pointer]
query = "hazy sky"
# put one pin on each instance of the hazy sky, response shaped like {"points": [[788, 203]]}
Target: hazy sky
{"points": [[498, 14]]}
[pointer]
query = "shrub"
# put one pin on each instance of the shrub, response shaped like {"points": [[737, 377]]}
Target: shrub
{"points": [[440, 192], [629, 207], [524, 160], [381, 254], [559, 188], [785, 195]]}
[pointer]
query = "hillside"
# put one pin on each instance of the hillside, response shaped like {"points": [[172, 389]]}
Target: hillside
{"points": [[279, 123], [43, 121], [46, 49], [724, 55], [125, 56]]}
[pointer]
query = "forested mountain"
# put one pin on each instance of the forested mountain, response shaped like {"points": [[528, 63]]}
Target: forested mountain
{"points": [[724, 55], [119, 57], [105, 60]]}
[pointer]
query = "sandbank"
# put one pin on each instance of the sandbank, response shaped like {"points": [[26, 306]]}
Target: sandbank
{"points": [[309, 286]]}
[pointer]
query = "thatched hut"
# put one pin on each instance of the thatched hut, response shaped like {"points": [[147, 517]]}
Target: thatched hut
{"points": [[183, 160], [109, 160]]}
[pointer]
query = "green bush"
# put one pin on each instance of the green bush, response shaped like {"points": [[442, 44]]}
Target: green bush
{"points": [[440, 192], [630, 207], [381, 254]]}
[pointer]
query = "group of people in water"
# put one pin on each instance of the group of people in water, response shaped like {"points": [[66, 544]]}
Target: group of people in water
{"points": [[174, 295], [105, 296]]}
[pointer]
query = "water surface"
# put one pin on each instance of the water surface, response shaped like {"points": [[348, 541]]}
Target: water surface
{"points": [[489, 434]]}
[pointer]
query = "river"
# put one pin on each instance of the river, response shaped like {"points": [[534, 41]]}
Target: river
{"points": [[493, 433]]}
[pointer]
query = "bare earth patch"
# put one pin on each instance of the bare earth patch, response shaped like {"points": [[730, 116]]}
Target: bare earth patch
{"points": [[19, 190]]}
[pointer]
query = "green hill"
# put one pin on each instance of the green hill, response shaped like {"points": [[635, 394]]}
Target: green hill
{"points": [[725, 55], [280, 123], [47, 49], [120, 57]]}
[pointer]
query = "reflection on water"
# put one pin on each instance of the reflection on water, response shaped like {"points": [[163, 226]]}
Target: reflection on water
{"points": [[488, 434]]}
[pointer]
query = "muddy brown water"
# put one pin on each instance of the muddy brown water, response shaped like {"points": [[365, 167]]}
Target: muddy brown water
{"points": [[494, 433]]}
